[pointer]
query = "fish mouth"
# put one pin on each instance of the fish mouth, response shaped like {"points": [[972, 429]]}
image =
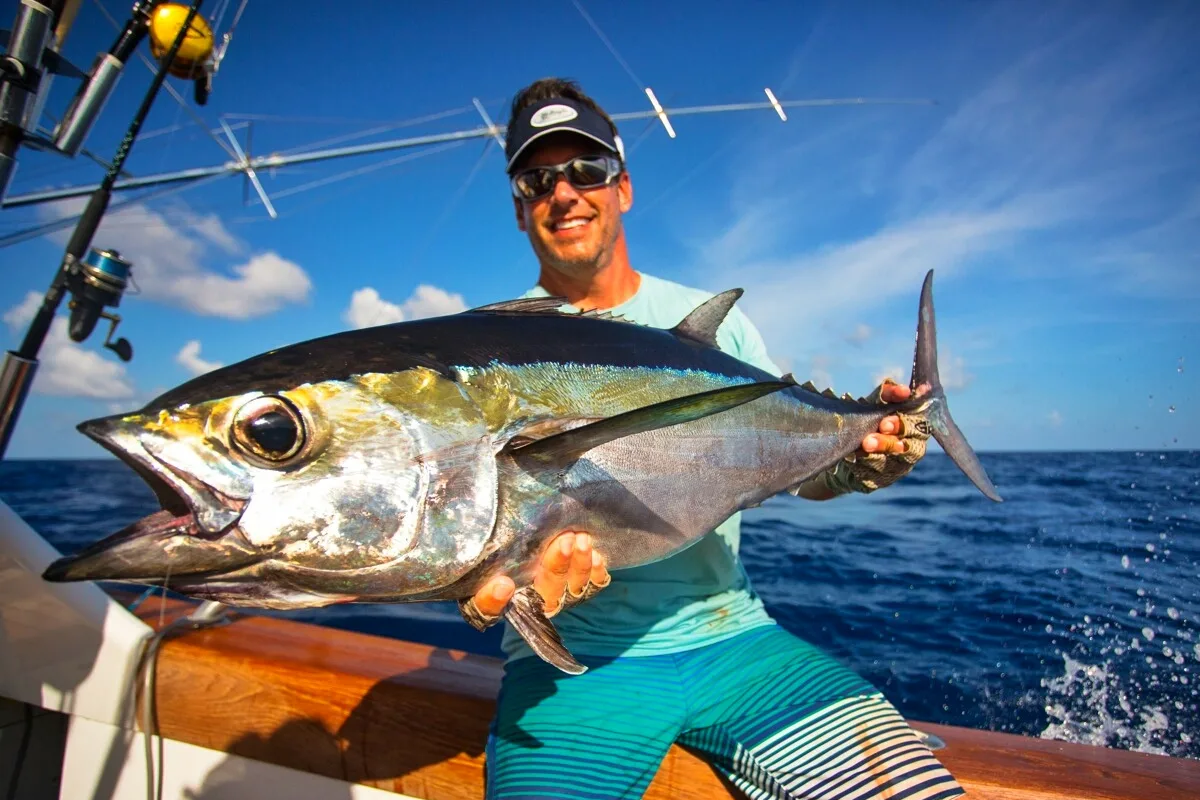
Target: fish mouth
{"points": [[195, 532]]}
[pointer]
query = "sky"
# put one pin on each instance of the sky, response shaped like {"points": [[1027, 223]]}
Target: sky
{"points": [[1053, 185]]}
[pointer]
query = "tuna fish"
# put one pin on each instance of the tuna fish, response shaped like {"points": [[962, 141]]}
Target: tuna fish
{"points": [[415, 461]]}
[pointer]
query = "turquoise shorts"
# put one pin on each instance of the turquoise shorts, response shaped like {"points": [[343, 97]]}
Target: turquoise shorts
{"points": [[771, 713]]}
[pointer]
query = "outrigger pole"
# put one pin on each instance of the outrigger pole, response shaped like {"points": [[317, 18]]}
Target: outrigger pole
{"points": [[99, 280], [490, 130]]}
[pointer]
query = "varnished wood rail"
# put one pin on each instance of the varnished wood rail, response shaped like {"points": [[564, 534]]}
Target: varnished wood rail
{"points": [[412, 718]]}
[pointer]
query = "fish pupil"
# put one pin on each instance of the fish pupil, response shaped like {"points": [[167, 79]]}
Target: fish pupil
{"points": [[275, 432]]}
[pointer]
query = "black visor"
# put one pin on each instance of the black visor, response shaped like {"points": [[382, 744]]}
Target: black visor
{"points": [[555, 116]]}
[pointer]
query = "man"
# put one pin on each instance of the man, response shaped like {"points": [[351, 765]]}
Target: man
{"points": [[681, 650]]}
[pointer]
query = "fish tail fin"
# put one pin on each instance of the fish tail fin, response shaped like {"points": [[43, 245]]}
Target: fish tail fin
{"points": [[925, 379]]}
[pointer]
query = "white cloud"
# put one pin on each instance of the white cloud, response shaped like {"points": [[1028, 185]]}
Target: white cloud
{"points": [[368, 309], [898, 374], [953, 371], [1069, 143], [891, 262], [172, 252], [430, 301], [23, 313], [860, 334], [189, 358], [262, 285], [1055, 418], [139, 400], [819, 374], [66, 368]]}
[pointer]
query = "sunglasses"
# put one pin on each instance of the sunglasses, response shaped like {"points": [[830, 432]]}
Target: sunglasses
{"points": [[583, 172]]}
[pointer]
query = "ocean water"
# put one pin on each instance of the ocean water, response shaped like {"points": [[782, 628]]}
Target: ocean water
{"points": [[1071, 611]]}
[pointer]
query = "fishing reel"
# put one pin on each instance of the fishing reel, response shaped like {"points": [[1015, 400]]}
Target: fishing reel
{"points": [[96, 282], [162, 21]]}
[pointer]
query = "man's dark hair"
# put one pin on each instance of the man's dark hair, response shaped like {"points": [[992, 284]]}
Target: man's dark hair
{"points": [[551, 88]]}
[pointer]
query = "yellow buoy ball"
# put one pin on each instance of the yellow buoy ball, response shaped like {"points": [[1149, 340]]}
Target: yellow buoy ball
{"points": [[165, 24]]}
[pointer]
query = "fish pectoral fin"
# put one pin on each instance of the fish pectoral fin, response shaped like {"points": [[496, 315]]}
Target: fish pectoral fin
{"points": [[544, 305], [524, 305], [526, 613], [562, 449], [702, 323]]}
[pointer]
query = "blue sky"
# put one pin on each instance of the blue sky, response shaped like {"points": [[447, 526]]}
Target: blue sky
{"points": [[1054, 188]]}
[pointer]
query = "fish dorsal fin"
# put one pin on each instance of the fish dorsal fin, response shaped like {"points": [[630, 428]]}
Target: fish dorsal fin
{"points": [[563, 449], [545, 305], [702, 323]]}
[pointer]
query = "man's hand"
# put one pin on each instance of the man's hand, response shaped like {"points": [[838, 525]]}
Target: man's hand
{"points": [[884, 457], [887, 441], [570, 572]]}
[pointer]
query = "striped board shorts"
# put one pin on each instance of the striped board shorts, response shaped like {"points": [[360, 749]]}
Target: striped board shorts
{"points": [[774, 715]]}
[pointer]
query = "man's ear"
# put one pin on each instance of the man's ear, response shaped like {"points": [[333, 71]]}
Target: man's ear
{"points": [[519, 208], [625, 191]]}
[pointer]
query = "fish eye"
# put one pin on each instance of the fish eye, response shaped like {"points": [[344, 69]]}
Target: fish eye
{"points": [[269, 428]]}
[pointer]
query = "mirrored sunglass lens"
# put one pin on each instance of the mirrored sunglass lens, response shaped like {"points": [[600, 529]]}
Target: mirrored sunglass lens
{"points": [[587, 172], [536, 182]]}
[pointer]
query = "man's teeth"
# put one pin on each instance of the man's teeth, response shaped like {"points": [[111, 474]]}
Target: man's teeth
{"points": [[567, 224]]}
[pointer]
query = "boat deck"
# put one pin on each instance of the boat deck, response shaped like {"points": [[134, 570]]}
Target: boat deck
{"points": [[413, 719]]}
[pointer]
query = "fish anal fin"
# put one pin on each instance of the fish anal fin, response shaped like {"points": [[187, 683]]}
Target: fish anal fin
{"points": [[526, 613], [562, 449], [702, 323]]}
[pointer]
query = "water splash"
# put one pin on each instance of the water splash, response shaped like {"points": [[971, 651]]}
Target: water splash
{"points": [[1088, 705]]}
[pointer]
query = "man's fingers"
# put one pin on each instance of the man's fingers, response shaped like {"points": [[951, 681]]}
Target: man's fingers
{"points": [[581, 564], [894, 392], [494, 596], [599, 576], [882, 443], [890, 425], [551, 580]]}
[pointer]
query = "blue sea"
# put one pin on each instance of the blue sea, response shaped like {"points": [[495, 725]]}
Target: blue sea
{"points": [[1070, 611]]}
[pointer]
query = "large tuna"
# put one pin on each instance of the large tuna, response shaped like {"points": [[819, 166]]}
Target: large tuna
{"points": [[415, 461]]}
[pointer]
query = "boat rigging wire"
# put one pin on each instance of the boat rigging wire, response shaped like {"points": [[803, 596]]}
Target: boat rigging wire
{"points": [[419, 251], [641, 86], [206, 615], [279, 160], [349, 137], [171, 90], [365, 170], [66, 222]]}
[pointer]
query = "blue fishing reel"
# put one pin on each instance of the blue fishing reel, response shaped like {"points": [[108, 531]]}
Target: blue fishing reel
{"points": [[96, 282]]}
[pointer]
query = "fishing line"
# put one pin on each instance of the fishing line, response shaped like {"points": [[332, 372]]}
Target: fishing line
{"points": [[348, 120], [164, 131], [22, 752], [208, 614], [689, 175], [65, 222], [452, 202], [345, 175], [169, 88], [219, 14], [609, 45]]}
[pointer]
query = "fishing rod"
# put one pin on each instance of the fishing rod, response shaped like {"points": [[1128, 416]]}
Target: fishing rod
{"points": [[98, 280]]}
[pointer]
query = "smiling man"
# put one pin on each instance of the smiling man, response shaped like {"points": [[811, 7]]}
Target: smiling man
{"points": [[681, 650]]}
